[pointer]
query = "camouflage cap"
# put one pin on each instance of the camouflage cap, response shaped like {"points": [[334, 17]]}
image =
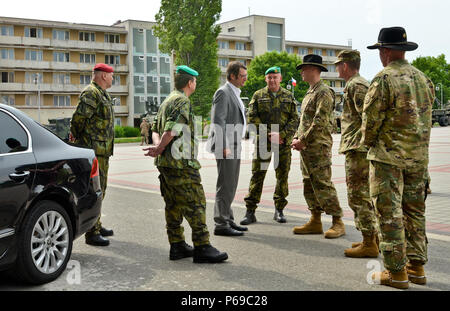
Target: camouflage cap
{"points": [[273, 70], [348, 56]]}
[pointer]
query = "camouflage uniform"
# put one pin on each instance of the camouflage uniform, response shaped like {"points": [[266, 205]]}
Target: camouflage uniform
{"points": [[315, 131], [179, 176], [356, 163], [268, 109], [396, 127], [92, 126]]}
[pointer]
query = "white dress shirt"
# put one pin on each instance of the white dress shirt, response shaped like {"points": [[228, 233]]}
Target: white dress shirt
{"points": [[237, 92]]}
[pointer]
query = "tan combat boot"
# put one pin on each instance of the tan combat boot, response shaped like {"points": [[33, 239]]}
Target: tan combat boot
{"points": [[356, 244], [313, 226], [367, 249], [393, 279], [416, 273], [336, 230]]}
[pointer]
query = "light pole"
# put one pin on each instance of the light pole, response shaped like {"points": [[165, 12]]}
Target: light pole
{"points": [[442, 94], [38, 82]]}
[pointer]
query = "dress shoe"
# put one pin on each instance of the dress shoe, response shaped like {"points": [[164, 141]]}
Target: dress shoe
{"points": [[208, 254], [227, 231], [106, 232], [238, 228], [249, 218], [279, 216], [180, 250], [96, 240]]}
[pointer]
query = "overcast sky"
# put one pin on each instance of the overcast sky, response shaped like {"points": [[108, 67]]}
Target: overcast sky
{"points": [[325, 21]]}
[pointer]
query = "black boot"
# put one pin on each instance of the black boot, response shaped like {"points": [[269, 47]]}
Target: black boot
{"points": [[249, 218], [96, 239], [279, 216], [180, 250], [208, 254], [106, 232]]}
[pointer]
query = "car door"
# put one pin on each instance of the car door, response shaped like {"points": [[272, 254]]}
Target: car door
{"points": [[17, 166]]}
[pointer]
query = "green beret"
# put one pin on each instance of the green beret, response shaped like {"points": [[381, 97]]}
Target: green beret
{"points": [[186, 69], [348, 56], [273, 70]]}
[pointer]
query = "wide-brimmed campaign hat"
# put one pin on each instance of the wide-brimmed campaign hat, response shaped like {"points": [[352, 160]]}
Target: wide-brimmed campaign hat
{"points": [[314, 60], [393, 38]]}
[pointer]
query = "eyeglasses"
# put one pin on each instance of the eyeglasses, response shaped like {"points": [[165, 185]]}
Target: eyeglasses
{"points": [[242, 76]]}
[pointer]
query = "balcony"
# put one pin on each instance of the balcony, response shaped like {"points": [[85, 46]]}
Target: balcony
{"points": [[54, 88], [64, 44], [235, 53], [121, 111], [56, 66], [329, 75]]}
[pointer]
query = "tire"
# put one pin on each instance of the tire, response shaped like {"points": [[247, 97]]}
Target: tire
{"points": [[44, 243], [443, 121]]}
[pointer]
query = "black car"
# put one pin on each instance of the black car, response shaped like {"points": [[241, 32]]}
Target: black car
{"points": [[49, 195]]}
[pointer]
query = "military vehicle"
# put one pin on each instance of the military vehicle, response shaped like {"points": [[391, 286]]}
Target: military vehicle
{"points": [[60, 127]]}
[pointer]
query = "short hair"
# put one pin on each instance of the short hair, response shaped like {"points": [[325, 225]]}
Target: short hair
{"points": [[182, 79], [234, 68], [354, 64]]}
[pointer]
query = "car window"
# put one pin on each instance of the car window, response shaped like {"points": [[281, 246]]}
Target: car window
{"points": [[13, 137]]}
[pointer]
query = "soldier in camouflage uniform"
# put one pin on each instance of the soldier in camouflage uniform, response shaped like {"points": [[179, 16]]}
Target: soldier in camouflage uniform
{"points": [[356, 164], [176, 150], [314, 141], [396, 127], [92, 126], [272, 105]]}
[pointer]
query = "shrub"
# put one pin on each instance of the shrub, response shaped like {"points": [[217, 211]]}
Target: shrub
{"points": [[118, 131], [131, 131]]}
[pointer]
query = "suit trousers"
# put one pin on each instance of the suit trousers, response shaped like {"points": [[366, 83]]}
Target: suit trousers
{"points": [[227, 181]]}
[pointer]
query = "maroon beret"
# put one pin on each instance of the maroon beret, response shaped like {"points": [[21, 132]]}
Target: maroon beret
{"points": [[103, 67]]}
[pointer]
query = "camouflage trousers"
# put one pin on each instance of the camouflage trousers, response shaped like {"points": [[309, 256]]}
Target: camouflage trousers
{"points": [[282, 164], [399, 198], [103, 167], [184, 197], [318, 189], [358, 191]]}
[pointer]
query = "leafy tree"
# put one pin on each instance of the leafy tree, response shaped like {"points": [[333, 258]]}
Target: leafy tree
{"points": [[188, 29], [287, 63], [438, 70]]}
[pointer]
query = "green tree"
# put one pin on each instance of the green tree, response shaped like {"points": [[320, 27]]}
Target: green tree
{"points": [[438, 70], [188, 29], [287, 63]]}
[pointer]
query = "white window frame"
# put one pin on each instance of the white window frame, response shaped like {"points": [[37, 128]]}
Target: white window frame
{"points": [[9, 30], [8, 52], [242, 44], [317, 51], [154, 79], [39, 55], [39, 32], [10, 99], [167, 79], [57, 56], [83, 57], [64, 98], [60, 31], [91, 36], [154, 59], [61, 78], [142, 99], [83, 79]]}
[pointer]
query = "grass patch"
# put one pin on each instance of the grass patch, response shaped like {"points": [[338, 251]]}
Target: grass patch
{"points": [[122, 140]]}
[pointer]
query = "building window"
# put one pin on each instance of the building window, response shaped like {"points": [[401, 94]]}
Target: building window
{"points": [[32, 100], [302, 51], [60, 34], [223, 62], [87, 58], [7, 77], [332, 83], [61, 100], [232, 29], [111, 38], [61, 57], [116, 101], [117, 121], [342, 83], [274, 37], [317, 52], [240, 46], [7, 30], [61, 78], [85, 79], [138, 40], [332, 68], [112, 59], [34, 55], [32, 32], [87, 36], [290, 49], [224, 45], [116, 80], [7, 53], [7, 99], [34, 77], [331, 53]]}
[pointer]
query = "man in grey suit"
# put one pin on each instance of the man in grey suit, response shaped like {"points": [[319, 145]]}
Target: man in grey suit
{"points": [[228, 126]]}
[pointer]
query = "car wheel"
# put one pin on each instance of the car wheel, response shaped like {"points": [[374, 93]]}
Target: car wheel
{"points": [[45, 243]]}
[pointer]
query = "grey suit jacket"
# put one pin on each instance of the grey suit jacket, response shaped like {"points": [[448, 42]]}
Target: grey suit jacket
{"points": [[226, 123]]}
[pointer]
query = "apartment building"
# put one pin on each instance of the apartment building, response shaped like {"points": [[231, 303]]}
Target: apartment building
{"points": [[245, 38]]}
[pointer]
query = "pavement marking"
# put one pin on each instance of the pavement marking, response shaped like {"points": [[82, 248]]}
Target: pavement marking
{"points": [[434, 236]]}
